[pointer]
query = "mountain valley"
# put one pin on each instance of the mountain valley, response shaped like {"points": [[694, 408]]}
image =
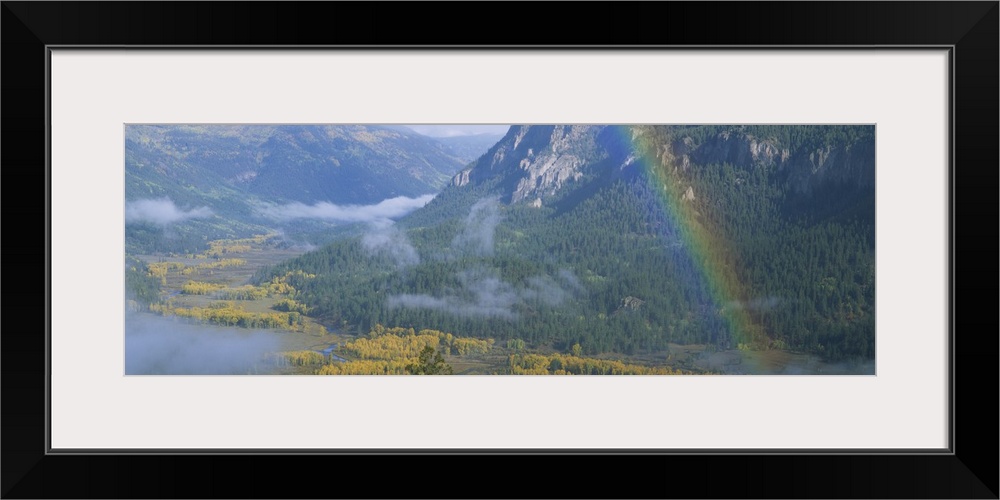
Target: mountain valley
{"points": [[684, 248]]}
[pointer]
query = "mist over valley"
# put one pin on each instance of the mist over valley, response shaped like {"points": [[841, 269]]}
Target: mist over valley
{"points": [[583, 249]]}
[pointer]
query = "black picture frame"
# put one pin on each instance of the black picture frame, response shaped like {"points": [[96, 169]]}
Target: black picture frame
{"points": [[968, 470]]}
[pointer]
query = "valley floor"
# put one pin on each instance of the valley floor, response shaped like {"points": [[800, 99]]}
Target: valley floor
{"points": [[303, 345]]}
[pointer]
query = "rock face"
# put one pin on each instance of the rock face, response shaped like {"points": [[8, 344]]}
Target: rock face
{"points": [[532, 164], [851, 165], [461, 178], [546, 175], [629, 303], [535, 161], [805, 169], [738, 149]]}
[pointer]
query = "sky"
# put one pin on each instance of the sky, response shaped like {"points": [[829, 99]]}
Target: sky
{"points": [[457, 130]]}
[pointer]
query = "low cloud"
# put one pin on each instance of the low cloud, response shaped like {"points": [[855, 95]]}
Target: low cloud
{"points": [[569, 279], [815, 366], [167, 346], [760, 304], [484, 294], [161, 211], [383, 237], [458, 130], [481, 292], [546, 290], [478, 228], [390, 208], [293, 244]]}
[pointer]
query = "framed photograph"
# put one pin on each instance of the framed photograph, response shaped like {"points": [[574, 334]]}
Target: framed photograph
{"points": [[745, 243]]}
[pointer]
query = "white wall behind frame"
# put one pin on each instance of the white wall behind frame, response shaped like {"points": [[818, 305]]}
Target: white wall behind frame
{"points": [[95, 92]]}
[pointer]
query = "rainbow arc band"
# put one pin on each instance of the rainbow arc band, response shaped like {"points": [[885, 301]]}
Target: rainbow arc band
{"points": [[709, 254]]}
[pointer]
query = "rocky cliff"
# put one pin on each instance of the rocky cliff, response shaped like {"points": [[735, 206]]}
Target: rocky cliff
{"points": [[804, 169], [535, 163]]}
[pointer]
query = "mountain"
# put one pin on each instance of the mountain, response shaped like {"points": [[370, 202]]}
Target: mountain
{"points": [[306, 163], [470, 147], [630, 239], [232, 171], [534, 162]]}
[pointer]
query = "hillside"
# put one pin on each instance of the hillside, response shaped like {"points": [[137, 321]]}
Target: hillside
{"points": [[230, 181], [469, 147], [629, 239]]}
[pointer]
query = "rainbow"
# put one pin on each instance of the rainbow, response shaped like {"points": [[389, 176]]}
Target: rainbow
{"points": [[710, 255]]}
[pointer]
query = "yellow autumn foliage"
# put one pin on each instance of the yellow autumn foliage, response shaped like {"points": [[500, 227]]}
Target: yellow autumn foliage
{"points": [[295, 358], [200, 288], [366, 367], [227, 314], [388, 351], [561, 364], [218, 248], [389, 347], [222, 264], [245, 292]]}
